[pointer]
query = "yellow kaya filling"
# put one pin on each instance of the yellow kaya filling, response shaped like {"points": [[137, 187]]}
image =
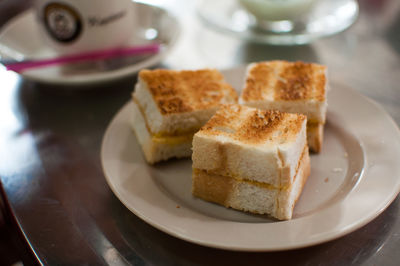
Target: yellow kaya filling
{"points": [[239, 179], [175, 138], [176, 133]]}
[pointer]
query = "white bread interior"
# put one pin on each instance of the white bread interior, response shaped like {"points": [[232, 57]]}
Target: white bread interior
{"points": [[217, 149], [252, 196], [157, 149]]}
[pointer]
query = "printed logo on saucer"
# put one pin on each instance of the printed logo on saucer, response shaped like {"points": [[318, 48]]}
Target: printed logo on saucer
{"points": [[62, 22]]}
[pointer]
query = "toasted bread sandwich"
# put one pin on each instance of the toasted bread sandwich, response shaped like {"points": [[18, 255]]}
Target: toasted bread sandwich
{"points": [[170, 106], [251, 160], [293, 87]]}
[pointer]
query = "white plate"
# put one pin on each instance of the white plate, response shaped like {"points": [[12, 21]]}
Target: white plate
{"points": [[354, 179], [327, 18], [20, 40]]}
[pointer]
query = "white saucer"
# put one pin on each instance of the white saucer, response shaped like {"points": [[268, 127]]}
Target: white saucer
{"points": [[353, 179], [327, 18], [20, 40]]}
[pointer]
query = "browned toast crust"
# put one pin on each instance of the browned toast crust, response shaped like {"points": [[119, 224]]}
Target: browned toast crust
{"points": [[253, 126], [286, 81], [184, 91], [315, 136]]}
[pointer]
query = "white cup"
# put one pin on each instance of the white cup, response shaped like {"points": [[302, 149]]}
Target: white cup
{"points": [[72, 26]]}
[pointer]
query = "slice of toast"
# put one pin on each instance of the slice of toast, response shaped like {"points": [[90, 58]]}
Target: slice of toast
{"points": [[175, 102], [294, 87], [170, 106], [240, 141], [251, 160]]}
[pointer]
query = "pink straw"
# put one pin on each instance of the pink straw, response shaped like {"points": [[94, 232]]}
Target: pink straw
{"points": [[87, 56]]}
